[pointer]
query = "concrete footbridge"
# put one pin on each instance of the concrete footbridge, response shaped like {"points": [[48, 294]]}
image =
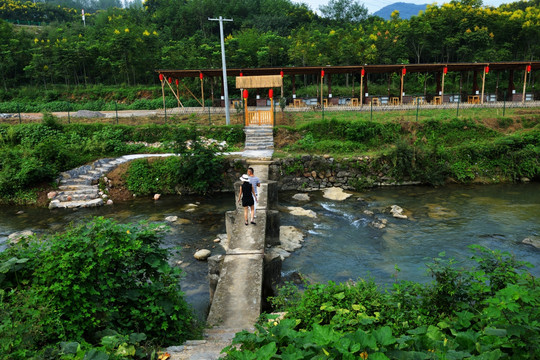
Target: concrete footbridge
{"points": [[242, 277]]}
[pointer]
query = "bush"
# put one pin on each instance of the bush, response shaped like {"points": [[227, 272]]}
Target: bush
{"points": [[488, 311], [82, 284]]}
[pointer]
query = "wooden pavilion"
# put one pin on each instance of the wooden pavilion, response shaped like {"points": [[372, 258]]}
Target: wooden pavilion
{"points": [[440, 70]]}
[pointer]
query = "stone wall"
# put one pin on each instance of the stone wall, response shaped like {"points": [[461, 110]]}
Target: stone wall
{"points": [[314, 172]]}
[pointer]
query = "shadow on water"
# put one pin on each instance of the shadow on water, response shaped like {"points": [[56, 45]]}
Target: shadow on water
{"points": [[196, 228]]}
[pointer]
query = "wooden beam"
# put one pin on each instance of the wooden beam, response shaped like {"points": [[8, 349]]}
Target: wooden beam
{"points": [[524, 85], [483, 86]]}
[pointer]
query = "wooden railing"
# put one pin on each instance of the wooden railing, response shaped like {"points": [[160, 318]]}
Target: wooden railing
{"points": [[260, 117]]}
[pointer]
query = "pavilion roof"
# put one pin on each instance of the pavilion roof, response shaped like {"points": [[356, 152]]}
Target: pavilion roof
{"points": [[377, 69]]}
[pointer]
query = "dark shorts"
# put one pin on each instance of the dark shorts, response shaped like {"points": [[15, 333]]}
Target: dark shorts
{"points": [[248, 200]]}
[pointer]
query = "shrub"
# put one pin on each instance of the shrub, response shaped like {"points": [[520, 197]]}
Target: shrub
{"points": [[78, 284]]}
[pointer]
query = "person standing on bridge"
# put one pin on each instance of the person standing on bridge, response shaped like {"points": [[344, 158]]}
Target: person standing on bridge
{"points": [[247, 197], [256, 183]]}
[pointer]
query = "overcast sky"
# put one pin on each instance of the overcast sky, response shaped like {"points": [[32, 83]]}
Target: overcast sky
{"points": [[374, 5]]}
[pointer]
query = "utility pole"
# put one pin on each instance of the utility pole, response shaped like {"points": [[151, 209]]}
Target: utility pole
{"points": [[225, 88]]}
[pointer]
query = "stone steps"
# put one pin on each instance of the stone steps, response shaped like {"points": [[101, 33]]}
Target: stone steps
{"points": [[57, 204]]}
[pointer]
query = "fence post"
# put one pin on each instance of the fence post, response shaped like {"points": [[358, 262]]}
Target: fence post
{"points": [[504, 103], [69, 117], [322, 104], [459, 100], [209, 116], [116, 111], [19, 111], [165, 109], [371, 109]]}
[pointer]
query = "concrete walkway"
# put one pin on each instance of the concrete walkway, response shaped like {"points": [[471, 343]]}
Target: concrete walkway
{"points": [[236, 303]]}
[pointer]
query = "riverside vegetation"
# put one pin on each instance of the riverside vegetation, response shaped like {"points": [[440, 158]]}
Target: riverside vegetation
{"points": [[487, 311]]}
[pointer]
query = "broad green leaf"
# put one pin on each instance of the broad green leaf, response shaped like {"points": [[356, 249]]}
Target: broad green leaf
{"points": [[340, 295], [95, 354], [69, 347], [267, 351], [495, 332], [384, 336], [378, 356], [125, 350], [136, 338]]}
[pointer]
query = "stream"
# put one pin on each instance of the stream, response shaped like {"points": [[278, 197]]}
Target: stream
{"points": [[341, 243]]}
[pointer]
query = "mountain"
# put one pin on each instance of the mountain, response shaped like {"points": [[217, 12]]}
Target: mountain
{"points": [[406, 10]]}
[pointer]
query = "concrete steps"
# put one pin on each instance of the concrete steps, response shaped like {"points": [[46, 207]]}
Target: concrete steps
{"points": [[259, 138]]}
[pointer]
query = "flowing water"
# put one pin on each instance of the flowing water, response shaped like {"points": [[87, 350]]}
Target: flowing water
{"points": [[340, 244]]}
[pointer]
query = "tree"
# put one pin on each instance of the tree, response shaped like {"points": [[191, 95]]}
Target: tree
{"points": [[344, 11]]}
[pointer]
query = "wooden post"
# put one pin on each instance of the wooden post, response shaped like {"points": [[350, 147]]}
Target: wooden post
{"points": [[163, 92], [442, 88], [524, 86], [202, 92], [293, 79], [483, 85], [352, 84], [361, 90], [322, 79], [246, 111], [272, 109], [401, 92], [177, 93]]}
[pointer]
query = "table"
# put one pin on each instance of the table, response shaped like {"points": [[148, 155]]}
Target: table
{"points": [[437, 100], [394, 101], [354, 102], [375, 101], [473, 99], [298, 103]]}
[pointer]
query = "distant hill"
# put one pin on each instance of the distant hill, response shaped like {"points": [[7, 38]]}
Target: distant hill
{"points": [[406, 10]]}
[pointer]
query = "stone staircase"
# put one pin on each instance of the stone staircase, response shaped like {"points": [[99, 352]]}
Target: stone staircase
{"points": [[259, 137], [78, 187]]}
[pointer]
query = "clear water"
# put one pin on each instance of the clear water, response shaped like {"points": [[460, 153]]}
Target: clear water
{"points": [[340, 244]]}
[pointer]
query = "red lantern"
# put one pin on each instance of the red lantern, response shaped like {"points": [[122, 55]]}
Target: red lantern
{"points": [[403, 71], [201, 76], [445, 70], [170, 79], [245, 94], [363, 72], [281, 73], [322, 73], [486, 69], [271, 93], [177, 82], [528, 68], [241, 74], [160, 77]]}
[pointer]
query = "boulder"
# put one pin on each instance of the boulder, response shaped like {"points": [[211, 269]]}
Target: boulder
{"points": [[290, 238], [202, 255], [54, 204], [397, 212], [109, 202], [298, 211], [532, 240], [157, 196], [51, 195], [301, 197], [335, 193], [17, 236], [171, 218]]}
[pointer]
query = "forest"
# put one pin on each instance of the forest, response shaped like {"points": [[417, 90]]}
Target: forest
{"points": [[123, 45]]}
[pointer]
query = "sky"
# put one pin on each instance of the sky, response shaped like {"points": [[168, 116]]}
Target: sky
{"points": [[374, 5]]}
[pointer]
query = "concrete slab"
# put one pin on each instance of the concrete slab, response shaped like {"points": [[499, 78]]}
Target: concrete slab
{"points": [[258, 154], [237, 301]]}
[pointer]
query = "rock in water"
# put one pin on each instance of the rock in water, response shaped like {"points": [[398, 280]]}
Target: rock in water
{"points": [[202, 254], [157, 196], [290, 237], [397, 212], [171, 218], [301, 212], [301, 197], [532, 240], [335, 193], [17, 236]]}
